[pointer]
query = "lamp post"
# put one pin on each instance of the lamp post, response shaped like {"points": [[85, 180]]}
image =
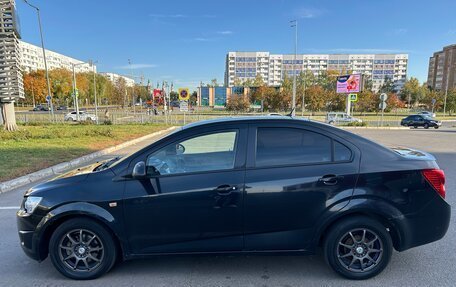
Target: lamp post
{"points": [[294, 24], [44, 57], [75, 92], [92, 63]]}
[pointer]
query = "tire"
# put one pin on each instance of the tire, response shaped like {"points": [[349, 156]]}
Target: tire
{"points": [[331, 123], [436, 127], [69, 119], [75, 260], [426, 126], [415, 127], [366, 259]]}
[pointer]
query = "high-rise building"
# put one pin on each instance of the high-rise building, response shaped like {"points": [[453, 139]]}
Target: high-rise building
{"points": [[11, 84], [113, 77], [32, 60], [442, 69], [274, 67]]}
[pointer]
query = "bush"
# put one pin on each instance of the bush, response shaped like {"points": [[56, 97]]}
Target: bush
{"points": [[357, 124]]}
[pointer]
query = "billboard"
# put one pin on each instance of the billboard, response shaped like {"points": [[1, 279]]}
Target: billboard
{"points": [[349, 84]]}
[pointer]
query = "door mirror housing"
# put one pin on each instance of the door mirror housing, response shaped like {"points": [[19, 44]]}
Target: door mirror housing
{"points": [[139, 170]]}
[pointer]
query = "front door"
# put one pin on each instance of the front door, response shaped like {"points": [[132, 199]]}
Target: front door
{"points": [[192, 198], [294, 175]]}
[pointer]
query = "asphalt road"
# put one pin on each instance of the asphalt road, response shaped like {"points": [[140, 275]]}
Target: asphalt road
{"points": [[430, 265]]}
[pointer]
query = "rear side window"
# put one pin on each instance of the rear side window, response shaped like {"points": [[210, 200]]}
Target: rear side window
{"points": [[341, 152], [282, 146]]}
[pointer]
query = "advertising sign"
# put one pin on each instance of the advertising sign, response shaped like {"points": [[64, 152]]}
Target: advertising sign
{"points": [[348, 84], [184, 94]]}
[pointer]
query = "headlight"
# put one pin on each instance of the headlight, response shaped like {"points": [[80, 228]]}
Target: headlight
{"points": [[31, 203]]}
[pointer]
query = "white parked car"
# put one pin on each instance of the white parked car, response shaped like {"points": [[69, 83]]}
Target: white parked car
{"points": [[426, 113], [341, 118], [83, 116]]}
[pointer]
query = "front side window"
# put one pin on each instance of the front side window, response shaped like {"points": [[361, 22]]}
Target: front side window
{"points": [[282, 146], [215, 151]]}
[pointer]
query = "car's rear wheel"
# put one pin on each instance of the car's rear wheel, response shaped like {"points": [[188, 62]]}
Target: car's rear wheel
{"points": [[358, 248], [82, 249], [426, 125], [415, 127], [436, 127], [70, 119]]}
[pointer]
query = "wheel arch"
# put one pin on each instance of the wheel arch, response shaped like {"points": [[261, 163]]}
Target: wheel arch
{"points": [[48, 226], [372, 214]]}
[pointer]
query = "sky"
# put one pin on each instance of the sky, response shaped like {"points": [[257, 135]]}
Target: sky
{"points": [[186, 42]]}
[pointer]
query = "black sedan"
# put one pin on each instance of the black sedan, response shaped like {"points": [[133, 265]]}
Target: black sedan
{"points": [[420, 121], [241, 186]]}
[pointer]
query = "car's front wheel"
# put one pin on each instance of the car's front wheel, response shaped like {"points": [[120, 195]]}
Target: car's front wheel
{"points": [[82, 249], [426, 125], [358, 248]]}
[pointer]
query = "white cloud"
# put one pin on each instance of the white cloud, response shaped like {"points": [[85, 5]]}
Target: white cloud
{"points": [[226, 32], [168, 15], [308, 13], [400, 31], [137, 66]]}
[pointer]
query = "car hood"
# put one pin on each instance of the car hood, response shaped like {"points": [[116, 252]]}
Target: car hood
{"points": [[68, 178]]}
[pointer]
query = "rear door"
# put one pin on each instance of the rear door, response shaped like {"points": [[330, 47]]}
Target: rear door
{"points": [[294, 174]]}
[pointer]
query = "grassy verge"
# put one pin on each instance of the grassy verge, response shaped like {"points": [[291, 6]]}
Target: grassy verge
{"points": [[36, 147]]}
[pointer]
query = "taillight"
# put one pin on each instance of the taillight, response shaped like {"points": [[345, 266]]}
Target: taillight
{"points": [[436, 178]]}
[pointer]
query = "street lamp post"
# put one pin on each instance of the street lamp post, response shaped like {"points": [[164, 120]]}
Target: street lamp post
{"points": [[75, 92], [294, 24], [92, 63], [44, 57]]}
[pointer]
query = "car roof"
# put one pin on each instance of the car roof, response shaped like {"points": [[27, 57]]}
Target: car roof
{"points": [[244, 119]]}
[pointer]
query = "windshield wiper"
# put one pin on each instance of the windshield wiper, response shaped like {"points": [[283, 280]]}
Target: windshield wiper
{"points": [[106, 164]]}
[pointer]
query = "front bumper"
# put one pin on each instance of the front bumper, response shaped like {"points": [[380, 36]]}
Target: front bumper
{"points": [[26, 225], [425, 226]]}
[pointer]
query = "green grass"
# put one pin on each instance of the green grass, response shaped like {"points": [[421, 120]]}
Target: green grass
{"points": [[32, 148]]}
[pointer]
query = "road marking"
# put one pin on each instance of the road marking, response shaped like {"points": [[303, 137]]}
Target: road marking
{"points": [[8, 207]]}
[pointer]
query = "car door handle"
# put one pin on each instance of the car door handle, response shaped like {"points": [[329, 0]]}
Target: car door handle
{"points": [[225, 189], [331, 179]]}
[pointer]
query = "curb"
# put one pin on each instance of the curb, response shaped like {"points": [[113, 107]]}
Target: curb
{"points": [[58, 168], [377, 128]]}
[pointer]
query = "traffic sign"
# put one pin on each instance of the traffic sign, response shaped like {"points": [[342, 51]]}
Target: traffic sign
{"points": [[353, 97], [383, 97], [183, 106], [48, 98], [433, 101], [184, 94], [382, 106]]}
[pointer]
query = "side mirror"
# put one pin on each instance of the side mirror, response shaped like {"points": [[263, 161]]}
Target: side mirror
{"points": [[139, 171]]}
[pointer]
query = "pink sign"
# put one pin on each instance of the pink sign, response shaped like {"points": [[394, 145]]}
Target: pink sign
{"points": [[349, 84]]}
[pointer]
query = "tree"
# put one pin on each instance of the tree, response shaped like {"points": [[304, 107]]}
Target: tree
{"points": [[258, 82], [173, 96], [387, 86], [394, 102], [315, 98], [238, 103], [411, 91], [193, 98], [213, 83], [451, 102], [119, 93], [35, 87], [237, 82], [61, 85], [367, 102]]}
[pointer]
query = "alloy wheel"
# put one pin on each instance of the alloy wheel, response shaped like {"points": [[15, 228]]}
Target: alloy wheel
{"points": [[81, 250], [359, 250]]}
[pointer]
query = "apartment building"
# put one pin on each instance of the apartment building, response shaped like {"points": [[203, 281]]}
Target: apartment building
{"points": [[113, 77], [442, 69], [32, 59], [274, 67]]}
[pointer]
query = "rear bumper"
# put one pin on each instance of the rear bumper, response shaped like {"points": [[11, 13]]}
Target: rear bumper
{"points": [[428, 225]]}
